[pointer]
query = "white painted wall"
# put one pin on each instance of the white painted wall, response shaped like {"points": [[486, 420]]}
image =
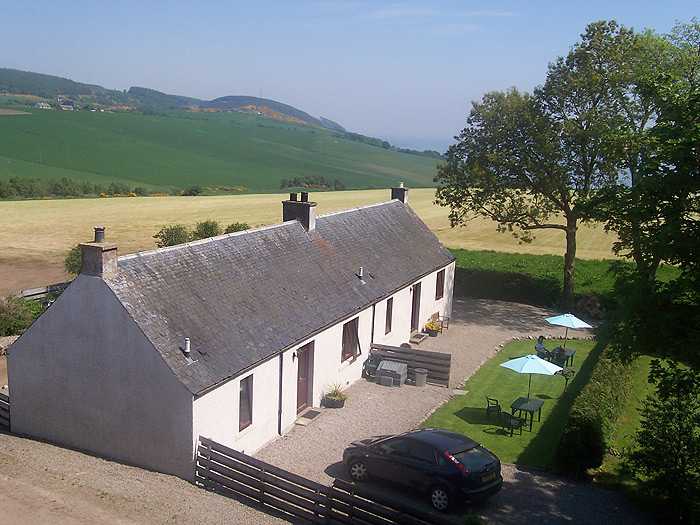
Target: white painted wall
{"points": [[84, 375], [216, 412]]}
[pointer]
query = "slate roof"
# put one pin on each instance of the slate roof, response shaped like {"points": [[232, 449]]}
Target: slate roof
{"points": [[243, 297]]}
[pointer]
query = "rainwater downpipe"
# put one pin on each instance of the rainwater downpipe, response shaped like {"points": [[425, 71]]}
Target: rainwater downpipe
{"points": [[279, 413], [371, 337]]}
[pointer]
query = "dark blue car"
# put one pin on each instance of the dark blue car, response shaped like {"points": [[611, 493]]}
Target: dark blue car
{"points": [[449, 467]]}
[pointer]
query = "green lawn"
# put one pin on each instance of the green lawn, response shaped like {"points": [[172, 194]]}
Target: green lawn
{"points": [[467, 414]]}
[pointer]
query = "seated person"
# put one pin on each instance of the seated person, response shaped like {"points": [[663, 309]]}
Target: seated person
{"points": [[559, 356], [542, 352]]}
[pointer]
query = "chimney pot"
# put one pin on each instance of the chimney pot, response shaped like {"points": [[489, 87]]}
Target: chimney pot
{"points": [[99, 234], [292, 196], [304, 196]]}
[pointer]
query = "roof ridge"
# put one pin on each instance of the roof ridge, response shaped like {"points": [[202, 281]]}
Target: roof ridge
{"points": [[366, 206]]}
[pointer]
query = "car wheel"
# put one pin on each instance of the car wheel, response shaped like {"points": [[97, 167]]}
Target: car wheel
{"points": [[358, 470], [440, 498]]}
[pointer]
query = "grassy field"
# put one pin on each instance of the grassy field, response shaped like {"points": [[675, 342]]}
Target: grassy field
{"points": [[35, 235], [184, 149]]}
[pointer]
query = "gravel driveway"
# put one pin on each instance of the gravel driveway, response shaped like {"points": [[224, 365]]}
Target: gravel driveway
{"points": [[477, 330], [42, 483]]}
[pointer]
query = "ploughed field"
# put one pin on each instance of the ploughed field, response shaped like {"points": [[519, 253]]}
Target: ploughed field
{"points": [[36, 235]]}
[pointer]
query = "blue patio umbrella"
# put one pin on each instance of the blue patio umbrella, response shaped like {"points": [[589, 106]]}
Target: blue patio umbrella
{"points": [[568, 321], [531, 364]]}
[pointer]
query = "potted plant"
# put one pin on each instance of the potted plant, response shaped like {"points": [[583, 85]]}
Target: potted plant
{"points": [[335, 397], [431, 329]]}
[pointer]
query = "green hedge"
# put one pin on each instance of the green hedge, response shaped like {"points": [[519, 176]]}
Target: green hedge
{"points": [[507, 286], [592, 418]]}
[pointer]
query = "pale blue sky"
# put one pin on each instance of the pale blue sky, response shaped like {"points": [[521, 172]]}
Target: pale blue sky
{"points": [[402, 71]]}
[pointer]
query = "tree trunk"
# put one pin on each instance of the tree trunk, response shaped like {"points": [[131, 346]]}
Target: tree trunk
{"points": [[570, 263]]}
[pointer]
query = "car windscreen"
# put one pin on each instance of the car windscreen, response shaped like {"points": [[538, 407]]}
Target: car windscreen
{"points": [[475, 459]]}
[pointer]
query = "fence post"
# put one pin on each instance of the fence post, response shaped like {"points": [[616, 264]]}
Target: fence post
{"points": [[207, 468], [262, 485]]}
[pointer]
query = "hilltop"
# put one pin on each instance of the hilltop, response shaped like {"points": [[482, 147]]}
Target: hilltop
{"points": [[54, 88]]}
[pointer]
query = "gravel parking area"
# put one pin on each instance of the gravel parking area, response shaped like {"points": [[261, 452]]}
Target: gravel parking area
{"points": [[477, 330], [42, 483]]}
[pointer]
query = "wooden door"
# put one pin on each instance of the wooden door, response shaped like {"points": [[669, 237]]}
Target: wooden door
{"points": [[303, 369], [415, 308]]}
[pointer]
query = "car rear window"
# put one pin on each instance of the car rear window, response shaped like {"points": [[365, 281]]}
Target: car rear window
{"points": [[475, 458]]}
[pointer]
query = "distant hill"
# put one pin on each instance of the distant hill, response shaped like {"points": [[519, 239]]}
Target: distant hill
{"points": [[13, 81]]}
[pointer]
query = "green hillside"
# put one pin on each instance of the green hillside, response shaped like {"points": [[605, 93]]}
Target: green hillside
{"points": [[180, 149]]}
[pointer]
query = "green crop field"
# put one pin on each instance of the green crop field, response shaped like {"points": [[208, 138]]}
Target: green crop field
{"points": [[181, 149]]}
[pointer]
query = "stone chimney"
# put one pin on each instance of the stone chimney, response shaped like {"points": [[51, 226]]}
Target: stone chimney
{"points": [[99, 257], [399, 192], [303, 210]]}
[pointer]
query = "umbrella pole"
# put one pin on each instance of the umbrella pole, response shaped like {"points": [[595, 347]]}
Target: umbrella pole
{"points": [[565, 336], [528, 388]]}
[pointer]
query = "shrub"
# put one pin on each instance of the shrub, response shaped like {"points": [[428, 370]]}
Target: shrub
{"points": [[17, 314], [192, 191], [237, 227], [592, 418], [582, 443], [74, 260], [208, 228], [172, 235]]}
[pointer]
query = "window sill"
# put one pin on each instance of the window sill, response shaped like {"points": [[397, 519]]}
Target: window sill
{"points": [[245, 431]]}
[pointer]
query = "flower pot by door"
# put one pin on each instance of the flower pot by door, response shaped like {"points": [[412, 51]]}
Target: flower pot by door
{"points": [[331, 402]]}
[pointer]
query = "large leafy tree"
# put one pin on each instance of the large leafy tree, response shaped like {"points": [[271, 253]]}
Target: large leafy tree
{"points": [[657, 218], [532, 161]]}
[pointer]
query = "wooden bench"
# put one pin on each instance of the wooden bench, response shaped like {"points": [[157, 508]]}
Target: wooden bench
{"points": [[436, 363]]}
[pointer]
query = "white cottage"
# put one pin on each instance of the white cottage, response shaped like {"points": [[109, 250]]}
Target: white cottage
{"points": [[229, 337]]}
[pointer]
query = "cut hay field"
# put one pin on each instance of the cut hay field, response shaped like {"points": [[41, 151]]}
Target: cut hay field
{"points": [[35, 235]]}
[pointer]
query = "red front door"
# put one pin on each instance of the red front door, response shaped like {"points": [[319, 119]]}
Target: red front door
{"points": [[303, 362]]}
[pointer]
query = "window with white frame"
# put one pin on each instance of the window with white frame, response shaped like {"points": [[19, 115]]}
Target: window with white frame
{"points": [[440, 285], [389, 315], [245, 406], [351, 340]]}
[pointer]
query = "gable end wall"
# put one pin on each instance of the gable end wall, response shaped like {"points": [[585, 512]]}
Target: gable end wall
{"points": [[85, 376]]}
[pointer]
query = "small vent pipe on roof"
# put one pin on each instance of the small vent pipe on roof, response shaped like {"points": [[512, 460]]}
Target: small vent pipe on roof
{"points": [[187, 347]]}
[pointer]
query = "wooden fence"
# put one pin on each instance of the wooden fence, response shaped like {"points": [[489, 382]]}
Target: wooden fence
{"points": [[42, 291], [436, 363], [233, 473], [5, 412]]}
